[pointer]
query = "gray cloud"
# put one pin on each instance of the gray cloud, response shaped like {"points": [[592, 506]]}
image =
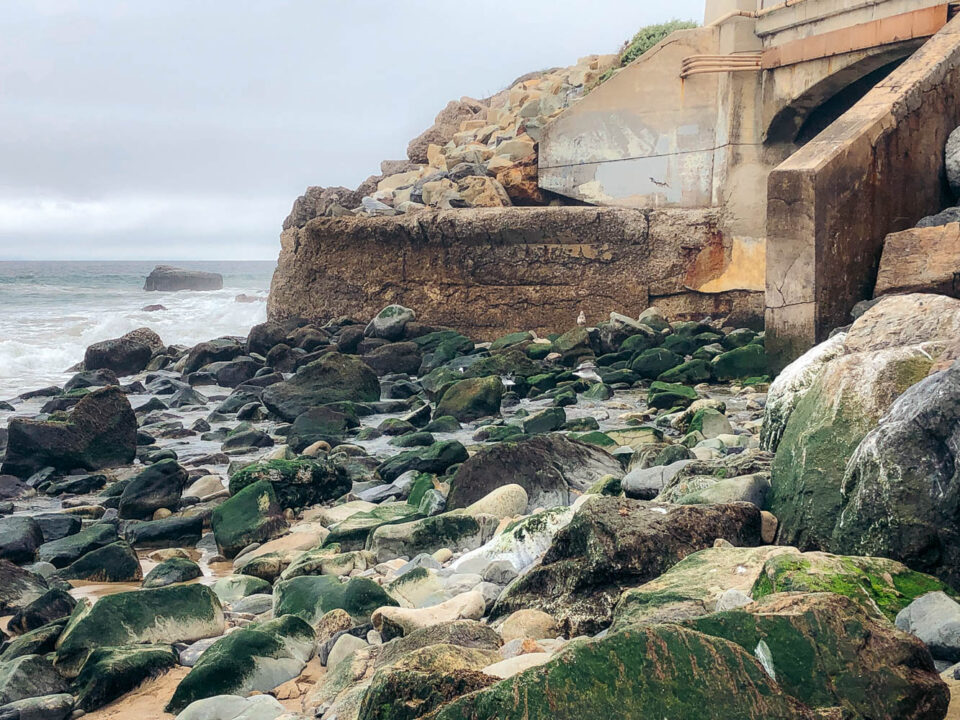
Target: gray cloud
{"points": [[182, 129]]}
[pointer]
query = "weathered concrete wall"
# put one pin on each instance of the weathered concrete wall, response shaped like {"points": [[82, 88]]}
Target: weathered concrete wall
{"points": [[877, 169], [487, 272]]}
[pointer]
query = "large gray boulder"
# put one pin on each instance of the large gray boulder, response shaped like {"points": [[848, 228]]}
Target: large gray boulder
{"points": [[159, 486], [166, 278], [935, 619], [125, 355], [901, 487]]}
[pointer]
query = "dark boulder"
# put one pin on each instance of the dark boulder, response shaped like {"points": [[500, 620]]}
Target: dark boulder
{"points": [[434, 459], [251, 515], [238, 371], [20, 536], [219, 350], [332, 378], [159, 486], [613, 543], [91, 378], [100, 432], [61, 553], [166, 278], [553, 469], [166, 533], [18, 587], [320, 423], [264, 336], [55, 526], [114, 671], [116, 562], [398, 357], [125, 355], [173, 570], [52, 605]]}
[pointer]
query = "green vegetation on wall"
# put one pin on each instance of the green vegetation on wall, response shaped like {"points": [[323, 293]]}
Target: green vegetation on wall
{"points": [[645, 39]]}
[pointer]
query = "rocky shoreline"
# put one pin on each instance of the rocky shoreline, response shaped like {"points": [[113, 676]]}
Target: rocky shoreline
{"points": [[388, 520]]}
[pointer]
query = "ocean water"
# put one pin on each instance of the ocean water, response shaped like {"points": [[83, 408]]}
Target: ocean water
{"points": [[51, 311]]}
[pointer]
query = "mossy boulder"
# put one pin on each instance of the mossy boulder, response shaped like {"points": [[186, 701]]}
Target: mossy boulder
{"points": [[545, 421], [653, 362], [882, 586], [511, 339], [297, 483], [434, 459], [170, 571], [827, 651], [256, 658], [232, 588], [100, 432], [41, 641], [666, 672], [573, 346], [664, 396], [472, 399], [743, 362], [692, 587], [111, 672], [252, 515], [613, 543], [455, 530], [844, 403], [64, 551], [310, 597], [180, 613], [690, 373], [116, 562], [598, 392], [352, 533], [331, 378]]}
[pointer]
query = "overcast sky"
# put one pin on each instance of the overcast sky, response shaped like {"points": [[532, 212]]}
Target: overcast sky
{"points": [[184, 129]]}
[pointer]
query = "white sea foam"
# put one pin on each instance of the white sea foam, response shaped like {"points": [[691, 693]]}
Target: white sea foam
{"points": [[45, 329]]}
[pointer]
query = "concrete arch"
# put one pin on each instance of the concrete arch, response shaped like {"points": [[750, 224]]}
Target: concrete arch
{"points": [[802, 100]]}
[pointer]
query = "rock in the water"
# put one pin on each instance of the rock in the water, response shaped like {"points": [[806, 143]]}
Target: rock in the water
{"points": [[553, 469], [125, 355], [165, 278], [164, 533], [612, 543], [181, 613], [935, 619], [297, 483], [101, 432], [114, 671], [332, 378], [456, 530], [471, 399], [252, 515], [170, 571], [159, 486], [256, 658]]}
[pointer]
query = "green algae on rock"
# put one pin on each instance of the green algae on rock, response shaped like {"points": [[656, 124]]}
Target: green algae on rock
{"points": [[297, 483], [180, 613], [255, 658], [311, 596], [472, 399], [252, 515], [114, 671]]}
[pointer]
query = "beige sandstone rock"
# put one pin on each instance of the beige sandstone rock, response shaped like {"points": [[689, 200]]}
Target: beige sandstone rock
{"points": [[506, 501], [393, 621], [531, 623], [483, 192], [514, 665]]}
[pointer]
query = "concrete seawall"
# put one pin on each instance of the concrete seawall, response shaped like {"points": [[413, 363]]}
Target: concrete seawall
{"points": [[491, 271]]}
